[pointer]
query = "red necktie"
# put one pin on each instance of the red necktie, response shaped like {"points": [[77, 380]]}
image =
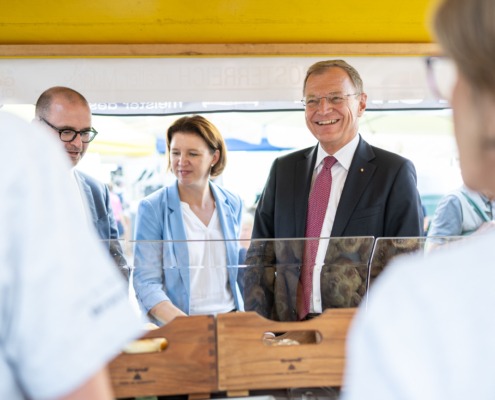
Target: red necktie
{"points": [[317, 207]]}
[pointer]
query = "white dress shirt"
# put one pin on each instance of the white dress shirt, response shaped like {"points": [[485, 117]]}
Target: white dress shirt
{"points": [[340, 169]]}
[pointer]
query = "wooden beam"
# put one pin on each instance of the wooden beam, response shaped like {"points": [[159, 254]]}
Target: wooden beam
{"points": [[216, 50]]}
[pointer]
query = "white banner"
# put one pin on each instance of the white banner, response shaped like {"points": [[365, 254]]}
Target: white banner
{"points": [[161, 85]]}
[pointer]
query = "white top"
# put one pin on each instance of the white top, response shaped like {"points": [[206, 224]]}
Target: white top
{"points": [[429, 329], [64, 308], [339, 175], [209, 280]]}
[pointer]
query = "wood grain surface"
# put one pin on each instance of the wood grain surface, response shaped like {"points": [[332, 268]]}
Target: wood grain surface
{"points": [[245, 362]]}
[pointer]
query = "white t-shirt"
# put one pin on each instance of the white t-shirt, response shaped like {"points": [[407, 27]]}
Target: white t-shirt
{"points": [[64, 309], [429, 329]]}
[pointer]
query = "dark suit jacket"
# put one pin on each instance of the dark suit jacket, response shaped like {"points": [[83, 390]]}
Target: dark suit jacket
{"points": [[379, 199], [98, 199]]}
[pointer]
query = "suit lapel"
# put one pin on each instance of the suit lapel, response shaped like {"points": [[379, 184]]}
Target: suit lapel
{"points": [[302, 179], [223, 211], [227, 218], [90, 201], [175, 214], [179, 234], [358, 178], [227, 222]]}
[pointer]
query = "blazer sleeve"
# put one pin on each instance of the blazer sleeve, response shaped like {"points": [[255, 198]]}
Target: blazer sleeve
{"points": [[263, 226], [148, 272], [115, 248], [114, 232], [404, 214], [258, 281]]}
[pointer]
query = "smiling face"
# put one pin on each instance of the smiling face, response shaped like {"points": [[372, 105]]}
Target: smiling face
{"points": [[191, 159], [333, 125], [71, 114]]}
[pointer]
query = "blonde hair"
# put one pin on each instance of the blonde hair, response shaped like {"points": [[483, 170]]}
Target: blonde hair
{"points": [[466, 31]]}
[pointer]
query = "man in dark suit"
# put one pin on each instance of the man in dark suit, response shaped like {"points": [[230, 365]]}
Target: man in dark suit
{"points": [[373, 191], [67, 113]]}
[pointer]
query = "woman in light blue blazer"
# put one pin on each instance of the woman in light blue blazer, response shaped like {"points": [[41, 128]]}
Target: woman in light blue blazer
{"points": [[187, 250]]}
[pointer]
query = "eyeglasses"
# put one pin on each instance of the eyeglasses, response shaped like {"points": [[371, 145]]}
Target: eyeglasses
{"points": [[68, 135], [336, 100], [441, 75]]}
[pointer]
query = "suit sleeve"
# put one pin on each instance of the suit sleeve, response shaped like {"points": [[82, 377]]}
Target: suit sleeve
{"points": [[264, 223], [259, 282], [114, 246], [404, 214]]}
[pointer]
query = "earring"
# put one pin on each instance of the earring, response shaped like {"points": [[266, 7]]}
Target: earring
{"points": [[212, 165]]}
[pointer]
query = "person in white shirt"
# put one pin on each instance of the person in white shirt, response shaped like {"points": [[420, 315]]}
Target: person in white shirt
{"points": [[173, 277], [64, 311], [428, 329]]}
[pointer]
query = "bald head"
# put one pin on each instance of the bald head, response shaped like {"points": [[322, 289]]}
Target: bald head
{"points": [[55, 94], [61, 108]]}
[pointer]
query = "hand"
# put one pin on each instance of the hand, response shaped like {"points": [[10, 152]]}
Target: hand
{"points": [[166, 311]]}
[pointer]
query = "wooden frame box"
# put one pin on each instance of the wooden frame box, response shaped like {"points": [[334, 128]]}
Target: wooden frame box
{"points": [[187, 366], [245, 362]]}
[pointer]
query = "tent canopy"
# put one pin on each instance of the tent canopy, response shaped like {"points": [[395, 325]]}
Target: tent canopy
{"points": [[165, 86], [234, 144]]}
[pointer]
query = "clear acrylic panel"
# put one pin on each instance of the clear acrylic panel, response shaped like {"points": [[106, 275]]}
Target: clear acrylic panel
{"points": [[121, 253], [249, 275], [386, 248], [261, 275]]}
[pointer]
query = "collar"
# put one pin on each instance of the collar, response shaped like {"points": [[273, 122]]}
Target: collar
{"points": [[344, 155], [474, 194]]}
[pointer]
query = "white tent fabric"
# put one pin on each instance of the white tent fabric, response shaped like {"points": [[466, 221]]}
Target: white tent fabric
{"points": [[168, 86], [175, 85]]}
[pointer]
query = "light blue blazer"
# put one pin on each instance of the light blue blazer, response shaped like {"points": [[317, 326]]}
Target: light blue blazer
{"points": [[161, 263]]}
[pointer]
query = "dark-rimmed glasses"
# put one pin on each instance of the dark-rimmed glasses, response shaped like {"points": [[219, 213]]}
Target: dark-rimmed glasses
{"points": [[68, 135], [442, 75], [334, 99]]}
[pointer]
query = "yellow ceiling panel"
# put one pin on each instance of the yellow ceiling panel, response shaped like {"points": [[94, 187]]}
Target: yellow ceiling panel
{"points": [[213, 21]]}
